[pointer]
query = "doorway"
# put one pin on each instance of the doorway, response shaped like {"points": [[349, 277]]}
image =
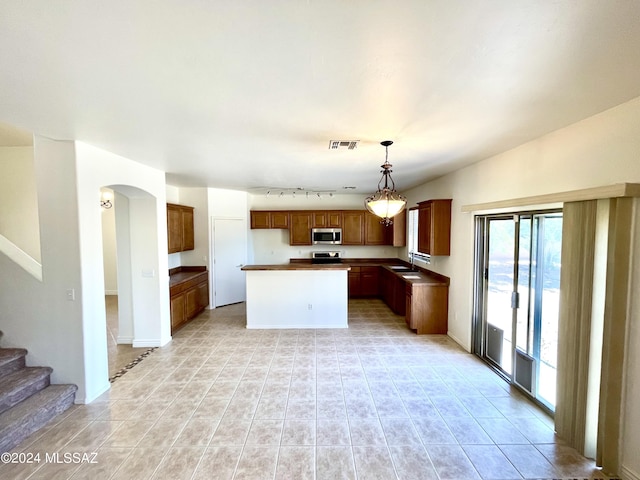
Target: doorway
{"points": [[230, 255], [517, 298]]}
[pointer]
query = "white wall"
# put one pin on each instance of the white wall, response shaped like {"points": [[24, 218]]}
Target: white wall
{"points": [[19, 199], [145, 189], [198, 199], [601, 150], [37, 315], [272, 246]]}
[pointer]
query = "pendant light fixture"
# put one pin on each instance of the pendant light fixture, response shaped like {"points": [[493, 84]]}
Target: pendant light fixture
{"points": [[386, 202]]}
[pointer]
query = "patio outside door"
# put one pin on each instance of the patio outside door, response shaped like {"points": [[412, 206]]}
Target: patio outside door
{"points": [[517, 295]]}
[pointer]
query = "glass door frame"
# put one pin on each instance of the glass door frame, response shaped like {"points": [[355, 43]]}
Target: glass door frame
{"points": [[480, 291]]}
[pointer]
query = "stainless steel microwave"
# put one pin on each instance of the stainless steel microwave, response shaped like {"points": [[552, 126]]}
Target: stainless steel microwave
{"points": [[326, 236]]}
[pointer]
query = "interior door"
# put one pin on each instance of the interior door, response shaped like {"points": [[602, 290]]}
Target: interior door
{"points": [[229, 256]]}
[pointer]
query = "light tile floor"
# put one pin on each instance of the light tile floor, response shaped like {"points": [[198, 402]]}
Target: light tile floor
{"points": [[373, 401]]}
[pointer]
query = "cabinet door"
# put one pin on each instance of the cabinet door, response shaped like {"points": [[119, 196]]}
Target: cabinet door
{"points": [[191, 300], [203, 295], [260, 219], [188, 242], [375, 233], [370, 281], [399, 230], [334, 219], [174, 228], [353, 228], [400, 298], [354, 282], [300, 228], [424, 228], [319, 219], [434, 227], [279, 219], [178, 312]]}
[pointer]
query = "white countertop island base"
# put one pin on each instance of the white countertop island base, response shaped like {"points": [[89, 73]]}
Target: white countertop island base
{"points": [[297, 298]]}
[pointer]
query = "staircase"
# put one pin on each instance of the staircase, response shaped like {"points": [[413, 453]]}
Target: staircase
{"points": [[27, 400]]}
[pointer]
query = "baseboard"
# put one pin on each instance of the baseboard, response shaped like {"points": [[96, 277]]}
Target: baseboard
{"points": [[628, 474], [125, 340], [111, 292], [279, 326], [150, 343]]}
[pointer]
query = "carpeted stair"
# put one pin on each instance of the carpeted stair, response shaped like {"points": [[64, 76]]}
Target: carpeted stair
{"points": [[27, 400]]}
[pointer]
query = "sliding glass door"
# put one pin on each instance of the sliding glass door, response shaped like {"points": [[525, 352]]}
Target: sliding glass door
{"points": [[517, 293]]}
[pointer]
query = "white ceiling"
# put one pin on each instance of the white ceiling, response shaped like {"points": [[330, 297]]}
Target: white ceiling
{"points": [[246, 94]]}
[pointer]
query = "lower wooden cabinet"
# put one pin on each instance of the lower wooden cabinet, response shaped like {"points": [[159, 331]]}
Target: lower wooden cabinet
{"points": [[364, 281], [189, 296], [424, 304], [427, 308]]}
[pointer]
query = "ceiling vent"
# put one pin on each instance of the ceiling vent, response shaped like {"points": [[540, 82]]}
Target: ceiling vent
{"points": [[343, 144]]}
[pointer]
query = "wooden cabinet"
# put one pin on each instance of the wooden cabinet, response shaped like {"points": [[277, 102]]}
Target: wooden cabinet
{"points": [[353, 227], [434, 227], [398, 234], [260, 219], [370, 281], [180, 233], [393, 292], [300, 228], [280, 219], [189, 295], [327, 219], [359, 227], [355, 289], [364, 281], [269, 219], [375, 233], [427, 308]]}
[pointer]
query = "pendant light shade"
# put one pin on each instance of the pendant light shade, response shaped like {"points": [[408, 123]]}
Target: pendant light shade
{"points": [[386, 202]]}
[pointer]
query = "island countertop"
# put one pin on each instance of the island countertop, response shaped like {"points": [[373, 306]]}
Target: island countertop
{"points": [[298, 266]]}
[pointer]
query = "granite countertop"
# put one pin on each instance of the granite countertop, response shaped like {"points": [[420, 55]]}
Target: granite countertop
{"points": [[419, 276], [299, 266]]}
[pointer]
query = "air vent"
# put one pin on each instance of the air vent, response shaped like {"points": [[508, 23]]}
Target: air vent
{"points": [[343, 144]]}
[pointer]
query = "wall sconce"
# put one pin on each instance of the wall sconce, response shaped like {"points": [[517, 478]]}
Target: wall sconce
{"points": [[105, 199]]}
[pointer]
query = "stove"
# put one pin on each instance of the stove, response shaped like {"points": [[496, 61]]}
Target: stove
{"points": [[326, 257]]}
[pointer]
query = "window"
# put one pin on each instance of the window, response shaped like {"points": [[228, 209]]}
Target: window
{"points": [[412, 240]]}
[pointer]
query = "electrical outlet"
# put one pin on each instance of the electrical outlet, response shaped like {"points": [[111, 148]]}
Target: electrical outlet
{"points": [[71, 294], [310, 307]]}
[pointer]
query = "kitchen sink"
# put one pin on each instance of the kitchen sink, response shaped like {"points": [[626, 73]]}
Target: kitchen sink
{"points": [[401, 269]]}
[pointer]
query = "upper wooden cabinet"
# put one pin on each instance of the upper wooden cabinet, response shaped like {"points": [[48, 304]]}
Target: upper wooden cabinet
{"points": [[327, 219], [300, 228], [359, 227], [269, 219], [353, 227], [434, 227], [375, 233], [180, 228]]}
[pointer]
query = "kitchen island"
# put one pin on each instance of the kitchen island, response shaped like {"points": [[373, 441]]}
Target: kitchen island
{"points": [[297, 295]]}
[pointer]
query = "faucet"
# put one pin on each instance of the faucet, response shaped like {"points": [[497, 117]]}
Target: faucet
{"points": [[412, 256]]}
